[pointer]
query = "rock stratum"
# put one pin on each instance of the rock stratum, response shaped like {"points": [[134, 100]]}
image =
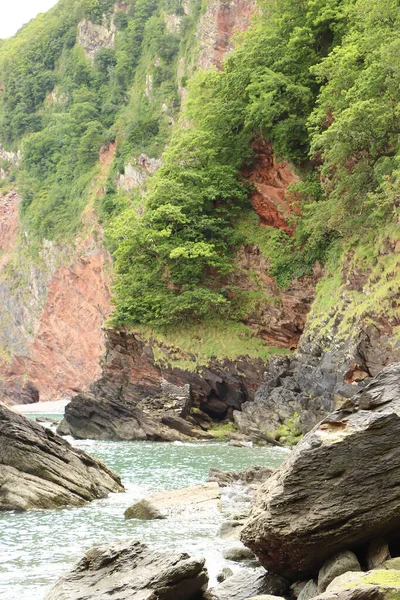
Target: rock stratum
{"points": [[338, 490], [38, 469]]}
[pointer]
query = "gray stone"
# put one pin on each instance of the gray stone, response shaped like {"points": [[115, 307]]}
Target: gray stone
{"points": [[230, 530], [238, 553], [393, 563], [198, 501], [38, 469], [131, 571], [309, 591], [338, 489], [337, 565], [246, 583], [377, 553]]}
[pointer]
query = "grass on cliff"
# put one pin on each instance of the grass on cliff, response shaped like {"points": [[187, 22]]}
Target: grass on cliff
{"points": [[372, 259], [191, 346]]}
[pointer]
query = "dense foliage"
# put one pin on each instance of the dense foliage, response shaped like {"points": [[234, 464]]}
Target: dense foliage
{"points": [[318, 78]]}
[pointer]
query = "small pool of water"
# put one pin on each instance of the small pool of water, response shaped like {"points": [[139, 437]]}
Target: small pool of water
{"points": [[37, 546]]}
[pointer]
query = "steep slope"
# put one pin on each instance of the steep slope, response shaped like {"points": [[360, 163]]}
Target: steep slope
{"points": [[233, 200]]}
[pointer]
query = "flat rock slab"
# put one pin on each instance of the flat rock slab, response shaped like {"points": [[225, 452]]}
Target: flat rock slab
{"points": [[38, 469], [248, 583], [132, 571], [338, 489], [199, 501]]}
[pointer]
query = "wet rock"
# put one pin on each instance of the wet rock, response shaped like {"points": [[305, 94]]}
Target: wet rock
{"points": [[38, 469], [311, 508], [224, 574], [336, 565], [199, 501], [238, 553], [247, 583], [230, 529], [132, 571]]}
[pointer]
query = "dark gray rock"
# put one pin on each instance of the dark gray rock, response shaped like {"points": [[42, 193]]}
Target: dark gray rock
{"points": [[224, 574], [131, 571], [338, 489], [247, 583], [38, 469], [90, 417]]}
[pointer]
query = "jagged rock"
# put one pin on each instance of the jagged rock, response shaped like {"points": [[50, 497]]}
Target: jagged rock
{"points": [[377, 553], [309, 591], [238, 553], [38, 469], [254, 474], [90, 417], [198, 501], [132, 571], [336, 565], [247, 583], [337, 490]]}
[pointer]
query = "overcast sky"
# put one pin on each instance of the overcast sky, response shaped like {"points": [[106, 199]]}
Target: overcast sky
{"points": [[15, 13]]}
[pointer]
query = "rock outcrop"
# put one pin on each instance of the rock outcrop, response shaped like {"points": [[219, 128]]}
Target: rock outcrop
{"points": [[131, 571], [131, 373], [38, 469], [339, 488], [196, 502]]}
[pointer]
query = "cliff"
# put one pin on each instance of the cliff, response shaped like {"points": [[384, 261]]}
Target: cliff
{"points": [[196, 161]]}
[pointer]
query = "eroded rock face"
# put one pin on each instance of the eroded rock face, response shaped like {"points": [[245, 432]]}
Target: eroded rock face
{"points": [[92, 36], [38, 469], [218, 26], [338, 489], [131, 571]]}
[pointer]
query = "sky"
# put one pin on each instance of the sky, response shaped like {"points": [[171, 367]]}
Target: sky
{"points": [[15, 13]]}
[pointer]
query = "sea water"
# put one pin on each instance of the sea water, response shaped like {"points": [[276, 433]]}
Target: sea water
{"points": [[38, 546]]}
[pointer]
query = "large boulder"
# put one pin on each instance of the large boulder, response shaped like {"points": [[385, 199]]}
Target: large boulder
{"points": [[132, 571], [246, 583], [339, 488], [38, 469], [198, 501], [88, 416]]}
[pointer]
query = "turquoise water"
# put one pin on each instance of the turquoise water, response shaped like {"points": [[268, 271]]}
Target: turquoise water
{"points": [[37, 546]]}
